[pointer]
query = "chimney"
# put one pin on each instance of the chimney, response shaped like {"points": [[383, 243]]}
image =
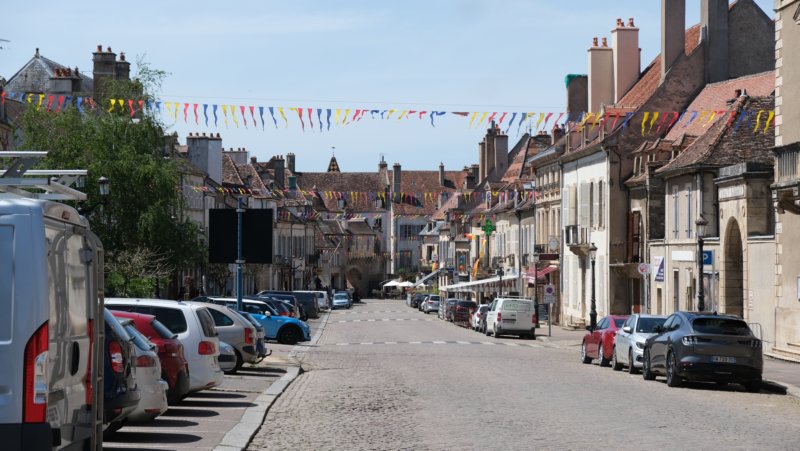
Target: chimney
{"points": [[253, 160], [104, 67], [293, 182], [279, 166], [290, 162], [396, 185], [60, 82], [714, 33], [601, 75], [475, 172], [673, 32], [206, 154], [441, 174], [577, 93], [382, 166], [489, 152], [123, 68], [558, 133], [500, 155], [625, 45]]}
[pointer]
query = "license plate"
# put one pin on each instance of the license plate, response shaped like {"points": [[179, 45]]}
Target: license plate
{"points": [[509, 320], [720, 359]]}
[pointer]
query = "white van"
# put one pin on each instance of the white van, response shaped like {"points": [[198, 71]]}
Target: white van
{"points": [[51, 285], [323, 302], [512, 316], [193, 325]]}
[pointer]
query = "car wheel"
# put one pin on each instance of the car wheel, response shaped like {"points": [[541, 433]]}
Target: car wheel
{"points": [[753, 386], [673, 380], [494, 331], [239, 363], [289, 336], [601, 356], [584, 356], [615, 365], [631, 368], [647, 374]]}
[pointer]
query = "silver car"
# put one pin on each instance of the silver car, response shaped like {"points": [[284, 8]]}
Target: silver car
{"points": [[629, 341]]}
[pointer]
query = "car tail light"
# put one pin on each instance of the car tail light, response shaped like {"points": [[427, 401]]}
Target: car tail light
{"points": [[145, 361], [499, 316], [534, 318], [115, 353], [34, 407], [88, 381], [248, 336], [754, 343], [206, 348]]}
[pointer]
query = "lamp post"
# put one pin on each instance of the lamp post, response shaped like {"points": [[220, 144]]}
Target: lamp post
{"points": [[593, 310], [103, 185], [700, 224]]}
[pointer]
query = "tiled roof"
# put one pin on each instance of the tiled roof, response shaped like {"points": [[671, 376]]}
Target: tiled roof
{"points": [[342, 182], [651, 76], [419, 186], [714, 97], [359, 227], [517, 158], [722, 145], [35, 76]]}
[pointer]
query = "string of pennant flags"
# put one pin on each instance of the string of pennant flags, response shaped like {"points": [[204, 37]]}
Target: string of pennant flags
{"points": [[214, 115]]}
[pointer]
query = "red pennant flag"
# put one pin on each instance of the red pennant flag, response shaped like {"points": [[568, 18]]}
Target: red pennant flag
{"points": [[422, 113], [489, 121], [60, 103], [185, 112], [300, 116], [194, 109], [253, 115], [310, 119], [50, 101], [141, 105], [241, 108]]}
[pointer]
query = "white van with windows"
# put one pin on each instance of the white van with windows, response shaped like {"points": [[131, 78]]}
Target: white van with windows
{"points": [[512, 316], [51, 323]]}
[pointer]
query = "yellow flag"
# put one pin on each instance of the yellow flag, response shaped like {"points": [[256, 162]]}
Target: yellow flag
{"points": [[391, 112], [711, 118], [769, 120], [652, 121], [283, 116], [703, 115], [472, 119], [336, 118], [644, 121], [483, 117], [225, 114], [41, 99], [539, 122], [758, 120], [233, 115], [113, 103], [346, 113], [169, 108], [402, 114]]}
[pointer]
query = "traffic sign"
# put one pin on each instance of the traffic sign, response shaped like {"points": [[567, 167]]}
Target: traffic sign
{"points": [[708, 257], [553, 244], [643, 269], [549, 290]]}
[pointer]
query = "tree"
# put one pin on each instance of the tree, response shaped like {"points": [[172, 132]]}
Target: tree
{"points": [[141, 214]]}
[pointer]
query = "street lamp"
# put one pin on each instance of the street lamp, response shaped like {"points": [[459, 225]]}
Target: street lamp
{"points": [[104, 186], [701, 224], [593, 310]]}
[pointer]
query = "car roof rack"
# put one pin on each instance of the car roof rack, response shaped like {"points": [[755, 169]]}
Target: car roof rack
{"points": [[17, 180]]}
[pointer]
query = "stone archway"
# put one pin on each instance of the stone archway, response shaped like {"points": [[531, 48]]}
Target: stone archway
{"points": [[733, 267]]}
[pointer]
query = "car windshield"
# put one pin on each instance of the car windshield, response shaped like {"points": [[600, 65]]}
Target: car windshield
{"points": [[648, 325], [721, 326], [138, 339], [162, 330], [340, 296], [619, 322]]}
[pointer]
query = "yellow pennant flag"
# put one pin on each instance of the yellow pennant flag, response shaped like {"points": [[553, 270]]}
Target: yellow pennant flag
{"points": [[391, 112], [169, 108], [652, 121], [769, 120], [710, 118], [283, 116], [585, 120], [233, 115], [336, 118], [177, 104], [113, 104], [30, 98], [483, 117], [644, 121], [41, 99], [539, 122], [472, 119], [758, 120], [344, 120], [402, 114], [225, 114], [703, 115]]}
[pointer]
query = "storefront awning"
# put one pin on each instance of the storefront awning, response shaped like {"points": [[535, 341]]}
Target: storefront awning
{"points": [[532, 273], [425, 279], [510, 278]]}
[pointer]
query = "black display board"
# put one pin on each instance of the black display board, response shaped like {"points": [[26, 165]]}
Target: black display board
{"points": [[256, 231]]}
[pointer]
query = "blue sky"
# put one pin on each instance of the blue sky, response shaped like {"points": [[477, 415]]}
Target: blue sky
{"points": [[441, 55]]}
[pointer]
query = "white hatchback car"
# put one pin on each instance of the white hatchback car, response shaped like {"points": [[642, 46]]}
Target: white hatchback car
{"points": [[152, 389], [194, 327], [512, 316]]}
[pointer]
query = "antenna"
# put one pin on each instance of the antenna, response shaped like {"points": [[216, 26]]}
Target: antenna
{"points": [[333, 151], [3, 40]]}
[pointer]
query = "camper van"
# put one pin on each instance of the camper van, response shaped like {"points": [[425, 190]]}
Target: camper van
{"points": [[51, 323]]}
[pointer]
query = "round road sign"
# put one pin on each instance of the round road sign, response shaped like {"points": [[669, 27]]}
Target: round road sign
{"points": [[643, 268]]}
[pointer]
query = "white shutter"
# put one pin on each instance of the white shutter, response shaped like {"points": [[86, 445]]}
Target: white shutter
{"points": [[572, 205], [583, 202], [596, 204]]}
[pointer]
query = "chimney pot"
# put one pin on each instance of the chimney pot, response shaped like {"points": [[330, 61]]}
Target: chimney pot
{"points": [[76, 71], [737, 93], [37, 52], [630, 22], [217, 135], [122, 56], [744, 93], [594, 42], [99, 48], [620, 23], [204, 134], [109, 50], [253, 160], [605, 42]]}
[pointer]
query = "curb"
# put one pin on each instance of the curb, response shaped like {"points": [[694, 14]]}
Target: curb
{"points": [[239, 437]]}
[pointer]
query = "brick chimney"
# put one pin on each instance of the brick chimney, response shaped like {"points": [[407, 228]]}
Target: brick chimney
{"points": [[278, 165], [577, 93], [441, 174], [500, 153], [290, 162], [396, 175], [714, 33], [104, 68], [601, 75], [475, 171], [61, 82], [469, 179], [558, 133], [625, 45], [673, 32], [122, 68], [205, 153]]}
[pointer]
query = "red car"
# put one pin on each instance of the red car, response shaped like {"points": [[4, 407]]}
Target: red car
{"points": [[599, 343], [174, 367]]}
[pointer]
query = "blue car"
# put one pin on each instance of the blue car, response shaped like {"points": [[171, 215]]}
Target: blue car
{"points": [[283, 329]]}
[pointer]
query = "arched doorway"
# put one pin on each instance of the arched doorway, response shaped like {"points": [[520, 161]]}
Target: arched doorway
{"points": [[733, 295]]}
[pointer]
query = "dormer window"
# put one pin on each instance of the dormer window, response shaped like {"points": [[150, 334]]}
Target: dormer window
{"points": [[637, 165], [342, 203]]}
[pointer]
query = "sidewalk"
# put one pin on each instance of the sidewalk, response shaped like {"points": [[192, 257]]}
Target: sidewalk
{"points": [[779, 376]]}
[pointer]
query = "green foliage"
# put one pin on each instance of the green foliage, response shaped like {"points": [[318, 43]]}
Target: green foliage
{"points": [[143, 209]]}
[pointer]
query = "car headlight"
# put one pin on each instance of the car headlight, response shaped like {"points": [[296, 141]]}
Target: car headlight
{"points": [[640, 344]]}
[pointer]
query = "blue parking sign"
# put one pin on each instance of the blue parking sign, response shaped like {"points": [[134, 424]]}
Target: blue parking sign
{"points": [[708, 257]]}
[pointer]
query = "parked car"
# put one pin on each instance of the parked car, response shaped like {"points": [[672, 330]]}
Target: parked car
{"points": [[323, 303], [417, 299], [428, 298], [475, 320], [194, 327], [463, 311], [227, 357], [283, 308], [599, 342], [46, 320], [341, 299], [120, 394], [235, 330], [512, 316], [629, 341], [261, 338], [704, 347], [305, 302], [284, 329], [152, 389], [431, 306], [174, 366]]}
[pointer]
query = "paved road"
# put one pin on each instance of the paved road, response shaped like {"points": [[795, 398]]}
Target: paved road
{"points": [[384, 376]]}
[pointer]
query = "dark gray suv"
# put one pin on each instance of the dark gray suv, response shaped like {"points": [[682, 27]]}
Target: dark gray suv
{"points": [[704, 347]]}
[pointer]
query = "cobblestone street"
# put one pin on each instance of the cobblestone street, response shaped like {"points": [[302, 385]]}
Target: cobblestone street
{"points": [[402, 382]]}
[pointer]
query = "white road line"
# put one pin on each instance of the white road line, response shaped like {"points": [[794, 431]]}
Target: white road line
{"points": [[367, 343], [511, 344], [439, 342], [415, 342], [342, 344], [463, 342], [390, 343], [370, 320], [487, 343], [385, 319]]}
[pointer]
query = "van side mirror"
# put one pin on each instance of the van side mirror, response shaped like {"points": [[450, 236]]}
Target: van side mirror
{"points": [[627, 329]]}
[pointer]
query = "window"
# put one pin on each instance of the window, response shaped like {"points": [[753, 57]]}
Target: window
{"points": [[600, 205], [170, 317], [675, 212], [689, 224], [220, 319], [603, 324], [721, 326], [206, 322], [669, 323]]}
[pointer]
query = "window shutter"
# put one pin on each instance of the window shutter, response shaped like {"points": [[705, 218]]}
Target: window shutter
{"points": [[583, 201], [596, 204], [572, 206]]}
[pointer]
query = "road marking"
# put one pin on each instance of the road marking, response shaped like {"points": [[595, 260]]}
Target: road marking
{"points": [[511, 344], [370, 320], [367, 343], [342, 344], [415, 342], [463, 342], [487, 343], [439, 342], [390, 343]]}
